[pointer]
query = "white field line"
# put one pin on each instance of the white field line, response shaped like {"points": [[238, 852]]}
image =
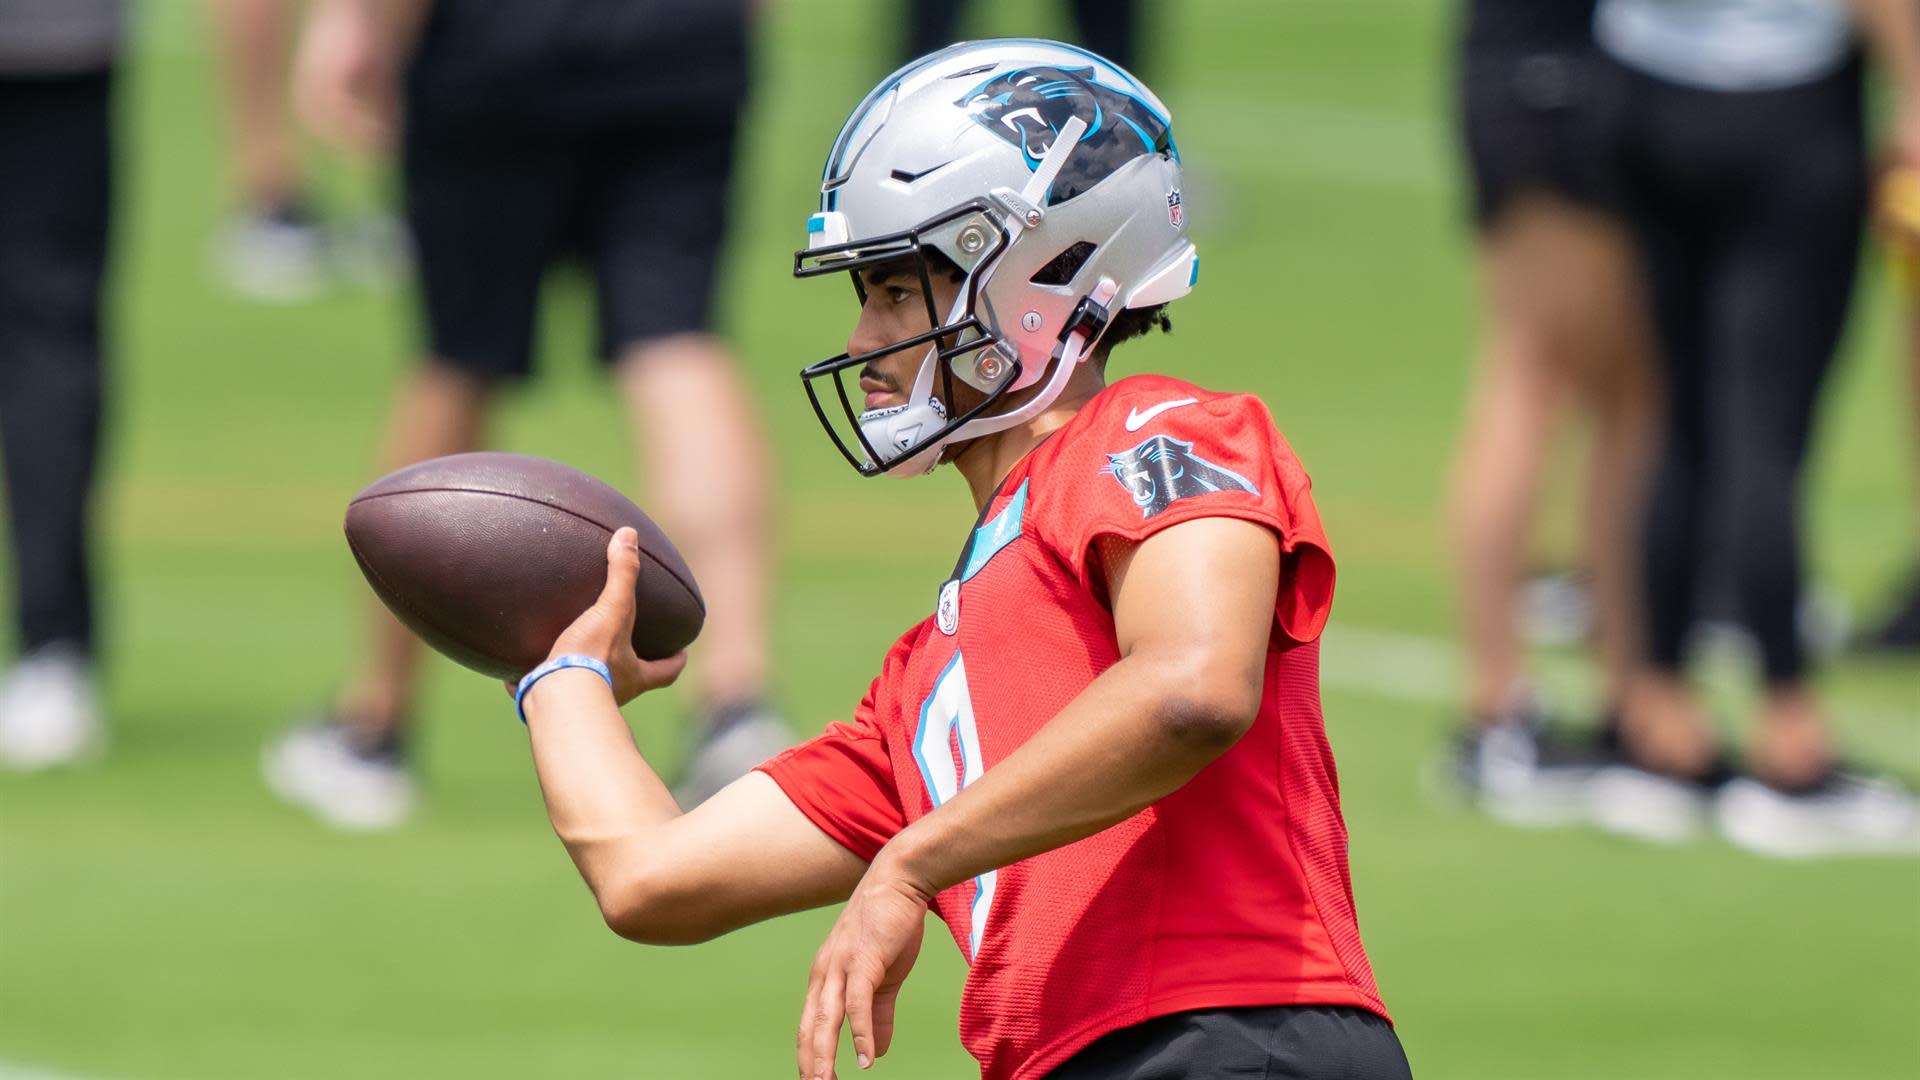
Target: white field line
{"points": [[11, 1070]]}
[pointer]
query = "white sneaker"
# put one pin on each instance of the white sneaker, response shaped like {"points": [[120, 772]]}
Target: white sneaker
{"points": [[49, 711], [275, 257], [729, 754], [1647, 806], [316, 767], [1847, 814]]}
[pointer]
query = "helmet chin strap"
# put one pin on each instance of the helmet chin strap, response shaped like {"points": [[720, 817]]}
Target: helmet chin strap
{"points": [[1072, 351], [922, 410]]}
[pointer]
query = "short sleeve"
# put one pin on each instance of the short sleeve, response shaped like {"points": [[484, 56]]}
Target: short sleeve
{"points": [[1157, 458], [842, 780]]}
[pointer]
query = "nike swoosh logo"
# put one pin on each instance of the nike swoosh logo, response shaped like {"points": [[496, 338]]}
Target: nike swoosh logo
{"points": [[906, 177], [1137, 419]]}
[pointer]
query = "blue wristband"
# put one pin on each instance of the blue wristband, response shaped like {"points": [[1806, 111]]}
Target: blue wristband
{"points": [[558, 663]]}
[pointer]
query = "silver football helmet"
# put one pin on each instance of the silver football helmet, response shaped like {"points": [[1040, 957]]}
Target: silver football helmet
{"points": [[1049, 177]]}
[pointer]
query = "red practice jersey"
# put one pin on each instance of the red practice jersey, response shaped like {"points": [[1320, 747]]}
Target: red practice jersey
{"points": [[1233, 890]]}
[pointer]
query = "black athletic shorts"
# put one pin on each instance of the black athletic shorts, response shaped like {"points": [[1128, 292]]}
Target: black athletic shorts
{"points": [[1273, 1042], [491, 204], [1545, 122]]}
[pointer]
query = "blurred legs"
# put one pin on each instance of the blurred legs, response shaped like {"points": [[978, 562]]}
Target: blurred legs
{"points": [[1565, 322], [347, 765], [1751, 240], [438, 411], [689, 404], [707, 467], [55, 192], [55, 204], [255, 39]]}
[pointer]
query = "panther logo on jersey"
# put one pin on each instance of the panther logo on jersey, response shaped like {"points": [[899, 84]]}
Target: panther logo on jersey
{"points": [[1028, 107], [1163, 470]]}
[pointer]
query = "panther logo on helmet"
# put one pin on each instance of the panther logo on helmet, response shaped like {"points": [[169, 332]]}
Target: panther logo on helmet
{"points": [[1028, 107]]}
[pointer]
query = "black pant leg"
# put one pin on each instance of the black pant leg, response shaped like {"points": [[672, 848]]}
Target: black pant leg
{"points": [[55, 193], [1749, 209], [932, 24], [1674, 240], [1778, 306], [1112, 29]]}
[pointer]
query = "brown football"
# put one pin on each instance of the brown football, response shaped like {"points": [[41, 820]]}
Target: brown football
{"points": [[489, 556]]}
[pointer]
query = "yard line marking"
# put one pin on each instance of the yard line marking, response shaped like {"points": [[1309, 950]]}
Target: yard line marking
{"points": [[13, 1070]]}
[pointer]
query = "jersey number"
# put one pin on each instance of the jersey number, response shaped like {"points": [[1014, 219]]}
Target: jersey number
{"points": [[946, 718]]}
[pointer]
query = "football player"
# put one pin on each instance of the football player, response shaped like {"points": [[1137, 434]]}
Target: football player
{"points": [[1100, 759]]}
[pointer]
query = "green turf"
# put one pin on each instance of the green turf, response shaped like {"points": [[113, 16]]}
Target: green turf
{"points": [[161, 917]]}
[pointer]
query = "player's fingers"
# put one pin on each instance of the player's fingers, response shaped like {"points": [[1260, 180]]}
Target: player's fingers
{"points": [[829, 1010], [655, 674], [860, 1018], [803, 1035], [623, 572], [883, 1003]]}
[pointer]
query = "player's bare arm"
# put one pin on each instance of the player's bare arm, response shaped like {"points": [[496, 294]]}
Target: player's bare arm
{"points": [[1193, 614], [662, 876]]}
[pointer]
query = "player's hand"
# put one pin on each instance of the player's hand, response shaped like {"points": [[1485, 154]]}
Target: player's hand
{"points": [[605, 630], [345, 80], [857, 973]]}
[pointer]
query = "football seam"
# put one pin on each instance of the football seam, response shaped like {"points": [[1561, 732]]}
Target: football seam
{"points": [[692, 591]]}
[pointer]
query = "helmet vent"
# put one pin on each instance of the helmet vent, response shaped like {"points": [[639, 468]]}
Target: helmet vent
{"points": [[1062, 267]]}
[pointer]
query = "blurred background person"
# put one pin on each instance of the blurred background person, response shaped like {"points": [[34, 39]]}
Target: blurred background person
{"points": [[273, 247], [1898, 199], [1745, 155], [1108, 27], [57, 60], [597, 129], [1565, 326]]}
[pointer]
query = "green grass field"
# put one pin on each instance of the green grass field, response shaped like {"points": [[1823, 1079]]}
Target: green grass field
{"points": [[162, 917]]}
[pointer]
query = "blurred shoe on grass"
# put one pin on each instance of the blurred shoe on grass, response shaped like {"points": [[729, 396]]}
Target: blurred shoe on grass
{"points": [[325, 770], [50, 710], [275, 255], [1842, 813]]}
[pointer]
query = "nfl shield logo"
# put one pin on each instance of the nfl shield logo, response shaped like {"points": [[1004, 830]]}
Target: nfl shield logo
{"points": [[1176, 215], [947, 613]]}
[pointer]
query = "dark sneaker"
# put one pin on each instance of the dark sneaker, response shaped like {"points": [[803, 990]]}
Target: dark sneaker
{"points": [[1521, 773], [736, 740]]}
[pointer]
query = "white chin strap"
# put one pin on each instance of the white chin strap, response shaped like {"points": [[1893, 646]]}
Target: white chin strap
{"points": [[891, 431]]}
